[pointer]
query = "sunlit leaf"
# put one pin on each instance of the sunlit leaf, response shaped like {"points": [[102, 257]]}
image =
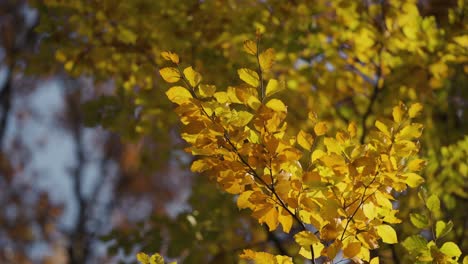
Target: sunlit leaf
{"points": [[178, 94], [170, 74], [266, 59], [249, 76], [193, 77], [387, 233]]}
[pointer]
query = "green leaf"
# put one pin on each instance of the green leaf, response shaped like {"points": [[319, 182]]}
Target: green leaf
{"points": [[433, 203], [419, 220], [451, 249], [414, 244], [443, 228]]}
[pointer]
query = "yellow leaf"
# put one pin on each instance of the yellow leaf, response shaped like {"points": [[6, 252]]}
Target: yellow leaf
{"points": [[374, 260], [369, 210], [156, 259], [317, 154], [410, 132], [170, 74], [271, 218], [221, 97], [283, 259], [352, 249], [305, 252], [143, 258], [352, 129], [250, 47], [199, 166], [414, 110], [416, 165], [243, 200], [285, 220], [265, 258], [249, 76], [382, 127], [413, 180], [306, 239], [241, 119], [178, 94], [332, 145], [266, 59], [305, 139], [276, 105], [206, 90], [382, 200], [320, 128], [170, 56], [273, 87], [387, 233], [192, 76], [397, 114]]}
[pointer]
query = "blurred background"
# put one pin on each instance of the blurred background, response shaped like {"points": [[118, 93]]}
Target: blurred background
{"points": [[89, 176]]}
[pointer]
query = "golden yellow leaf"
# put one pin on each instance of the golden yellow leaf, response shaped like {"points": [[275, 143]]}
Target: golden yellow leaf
{"points": [[285, 220], [410, 132], [306, 239], [414, 110], [306, 253], [413, 180], [387, 233], [265, 258], [320, 128], [317, 154], [305, 139], [241, 118], [249, 76], [332, 145], [250, 47], [397, 114], [273, 87], [374, 260], [193, 77], [266, 59], [416, 164], [143, 258], [170, 74], [170, 56], [369, 210], [199, 166], [178, 94], [270, 218], [382, 127], [243, 200], [221, 97], [276, 105], [352, 129]]}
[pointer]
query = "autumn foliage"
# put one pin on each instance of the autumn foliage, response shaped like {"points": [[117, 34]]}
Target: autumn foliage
{"points": [[337, 124]]}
